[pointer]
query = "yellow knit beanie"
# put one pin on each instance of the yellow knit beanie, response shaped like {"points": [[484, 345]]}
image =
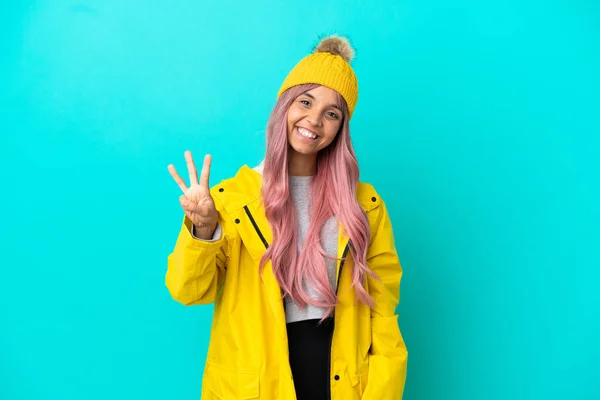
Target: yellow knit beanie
{"points": [[329, 66]]}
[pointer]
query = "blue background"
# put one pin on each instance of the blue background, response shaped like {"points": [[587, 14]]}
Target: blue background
{"points": [[478, 122]]}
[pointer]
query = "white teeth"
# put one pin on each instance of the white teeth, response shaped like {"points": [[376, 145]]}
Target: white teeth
{"points": [[306, 133]]}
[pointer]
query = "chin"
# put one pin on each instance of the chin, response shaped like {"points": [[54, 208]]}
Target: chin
{"points": [[302, 149]]}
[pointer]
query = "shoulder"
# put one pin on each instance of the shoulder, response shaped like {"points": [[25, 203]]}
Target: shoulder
{"points": [[245, 187], [239, 190], [373, 204], [368, 197]]}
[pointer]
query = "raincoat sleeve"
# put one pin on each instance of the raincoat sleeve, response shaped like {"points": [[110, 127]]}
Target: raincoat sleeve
{"points": [[388, 355], [196, 268]]}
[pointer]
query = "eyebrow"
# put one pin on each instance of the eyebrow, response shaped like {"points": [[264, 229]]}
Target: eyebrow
{"points": [[313, 97]]}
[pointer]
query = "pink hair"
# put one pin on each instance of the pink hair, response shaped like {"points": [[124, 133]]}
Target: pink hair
{"points": [[333, 193]]}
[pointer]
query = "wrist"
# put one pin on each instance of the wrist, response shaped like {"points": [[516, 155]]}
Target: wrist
{"points": [[204, 232]]}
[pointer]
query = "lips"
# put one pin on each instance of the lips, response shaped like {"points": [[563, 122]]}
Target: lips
{"points": [[304, 131]]}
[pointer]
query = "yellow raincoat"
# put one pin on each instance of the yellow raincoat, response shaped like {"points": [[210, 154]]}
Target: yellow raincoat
{"points": [[248, 352]]}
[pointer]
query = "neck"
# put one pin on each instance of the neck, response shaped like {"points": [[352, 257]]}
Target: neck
{"points": [[302, 164]]}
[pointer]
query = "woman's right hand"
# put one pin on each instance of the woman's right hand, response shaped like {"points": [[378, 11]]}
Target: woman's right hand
{"points": [[196, 201]]}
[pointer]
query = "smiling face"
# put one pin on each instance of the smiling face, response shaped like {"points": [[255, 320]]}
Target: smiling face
{"points": [[313, 121]]}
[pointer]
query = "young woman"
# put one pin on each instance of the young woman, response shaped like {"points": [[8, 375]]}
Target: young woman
{"points": [[297, 255]]}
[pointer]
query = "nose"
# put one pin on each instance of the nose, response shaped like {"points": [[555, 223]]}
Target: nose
{"points": [[314, 117]]}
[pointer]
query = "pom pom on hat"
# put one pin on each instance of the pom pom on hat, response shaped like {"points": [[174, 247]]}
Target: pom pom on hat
{"points": [[336, 45], [329, 66]]}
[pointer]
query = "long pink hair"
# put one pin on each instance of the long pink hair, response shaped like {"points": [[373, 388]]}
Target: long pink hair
{"points": [[333, 193]]}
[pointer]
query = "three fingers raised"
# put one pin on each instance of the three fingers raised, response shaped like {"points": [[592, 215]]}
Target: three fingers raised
{"points": [[193, 173]]}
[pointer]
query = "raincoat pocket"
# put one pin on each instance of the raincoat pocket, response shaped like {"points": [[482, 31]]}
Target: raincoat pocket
{"points": [[228, 383], [363, 379], [359, 382]]}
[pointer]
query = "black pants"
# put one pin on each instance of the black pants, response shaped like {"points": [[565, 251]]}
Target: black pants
{"points": [[309, 348]]}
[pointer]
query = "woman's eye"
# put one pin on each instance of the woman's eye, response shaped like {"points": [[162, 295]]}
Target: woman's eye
{"points": [[305, 102], [333, 115]]}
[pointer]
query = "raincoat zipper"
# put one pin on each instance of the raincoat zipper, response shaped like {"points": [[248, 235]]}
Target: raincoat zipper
{"points": [[344, 254]]}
